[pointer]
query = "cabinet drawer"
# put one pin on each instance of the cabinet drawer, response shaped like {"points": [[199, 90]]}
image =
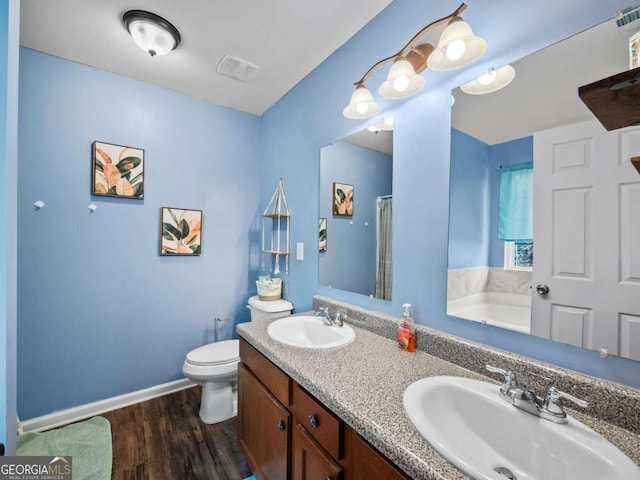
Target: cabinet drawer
{"points": [[323, 425], [276, 381]]}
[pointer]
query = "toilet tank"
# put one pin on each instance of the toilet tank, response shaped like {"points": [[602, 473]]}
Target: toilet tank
{"points": [[269, 310]]}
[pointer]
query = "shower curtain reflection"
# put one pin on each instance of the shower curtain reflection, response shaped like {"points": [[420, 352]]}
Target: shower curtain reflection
{"points": [[384, 268]]}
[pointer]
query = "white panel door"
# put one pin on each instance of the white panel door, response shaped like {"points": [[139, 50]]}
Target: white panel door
{"points": [[586, 233]]}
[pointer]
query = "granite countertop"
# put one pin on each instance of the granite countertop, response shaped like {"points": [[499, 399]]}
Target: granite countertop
{"points": [[363, 383]]}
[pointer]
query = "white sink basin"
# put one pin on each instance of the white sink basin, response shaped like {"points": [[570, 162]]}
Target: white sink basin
{"points": [[471, 426], [310, 332]]}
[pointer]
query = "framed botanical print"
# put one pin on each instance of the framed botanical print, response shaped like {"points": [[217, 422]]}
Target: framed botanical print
{"points": [[342, 199], [180, 231], [118, 171]]}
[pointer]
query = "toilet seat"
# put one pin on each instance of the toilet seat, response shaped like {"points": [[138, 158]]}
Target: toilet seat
{"points": [[218, 353]]}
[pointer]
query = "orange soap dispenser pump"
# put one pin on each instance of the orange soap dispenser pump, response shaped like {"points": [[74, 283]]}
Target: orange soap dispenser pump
{"points": [[406, 331]]}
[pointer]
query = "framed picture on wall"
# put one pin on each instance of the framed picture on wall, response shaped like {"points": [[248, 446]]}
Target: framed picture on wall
{"points": [[322, 235], [180, 231], [342, 199], [118, 170]]}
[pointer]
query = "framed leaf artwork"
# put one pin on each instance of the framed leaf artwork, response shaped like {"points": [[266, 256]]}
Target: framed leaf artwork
{"points": [[118, 170], [322, 235], [342, 199], [180, 231]]}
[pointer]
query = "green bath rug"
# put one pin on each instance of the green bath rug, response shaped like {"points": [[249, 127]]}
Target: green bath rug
{"points": [[88, 444]]}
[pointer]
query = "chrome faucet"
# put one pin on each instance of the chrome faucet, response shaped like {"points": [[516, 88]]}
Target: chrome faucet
{"points": [[550, 408], [326, 317], [337, 320], [323, 313]]}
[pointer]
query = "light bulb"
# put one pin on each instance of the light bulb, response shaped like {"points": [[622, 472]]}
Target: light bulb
{"points": [[401, 83], [362, 107], [487, 78], [455, 50]]}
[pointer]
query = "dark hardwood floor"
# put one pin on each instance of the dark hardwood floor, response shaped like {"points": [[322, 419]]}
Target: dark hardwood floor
{"points": [[163, 439]]}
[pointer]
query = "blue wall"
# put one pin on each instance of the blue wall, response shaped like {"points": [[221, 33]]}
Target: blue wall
{"points": [[100, 312], [469, 196], [371, 173], [310, 117]]}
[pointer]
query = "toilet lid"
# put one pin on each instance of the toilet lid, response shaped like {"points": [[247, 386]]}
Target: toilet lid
{"points": [[273, 306], [218, 353]]}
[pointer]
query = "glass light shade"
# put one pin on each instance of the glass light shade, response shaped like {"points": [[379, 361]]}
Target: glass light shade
{"points": [[458, 47], [496, 79], [361, 104], [152, 33], [401, 81]]}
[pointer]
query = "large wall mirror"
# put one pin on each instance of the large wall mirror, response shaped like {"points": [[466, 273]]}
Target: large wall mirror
{"points": [[356, 201], [575, 277]]}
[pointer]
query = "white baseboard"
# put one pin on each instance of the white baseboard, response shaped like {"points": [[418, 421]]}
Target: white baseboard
{"points": [[70, 415]]}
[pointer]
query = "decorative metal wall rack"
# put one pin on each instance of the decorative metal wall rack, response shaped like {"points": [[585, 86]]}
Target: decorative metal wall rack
{"points": [[275, 220]]}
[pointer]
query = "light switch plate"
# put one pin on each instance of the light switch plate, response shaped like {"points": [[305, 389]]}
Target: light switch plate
{"points": [[300, 251]]}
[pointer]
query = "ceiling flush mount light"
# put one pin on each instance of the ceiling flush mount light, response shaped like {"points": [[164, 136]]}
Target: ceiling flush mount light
{"points": [[152, 33], [404, 77], [490, 82]]}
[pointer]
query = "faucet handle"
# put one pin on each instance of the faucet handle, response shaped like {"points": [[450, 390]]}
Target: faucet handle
{"points": [[509, 377], [553, 401], [322, 311]]}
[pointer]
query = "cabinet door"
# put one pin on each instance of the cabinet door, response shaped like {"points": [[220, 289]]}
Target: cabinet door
{"points": [[310, 460], [363, 462], [264, 428]]}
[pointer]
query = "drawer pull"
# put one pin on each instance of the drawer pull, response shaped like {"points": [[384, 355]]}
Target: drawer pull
{"points": [[281, 425], [313, 421]]}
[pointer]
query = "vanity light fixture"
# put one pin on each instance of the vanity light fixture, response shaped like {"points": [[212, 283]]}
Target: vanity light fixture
{"points": [[490, 82], [457, 47], [152, 33]]}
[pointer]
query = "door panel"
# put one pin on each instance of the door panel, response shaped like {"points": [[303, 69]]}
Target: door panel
{"points": [[586, 237]]}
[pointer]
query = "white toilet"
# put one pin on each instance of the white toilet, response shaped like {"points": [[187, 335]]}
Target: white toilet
{"points": [[215, 366]]}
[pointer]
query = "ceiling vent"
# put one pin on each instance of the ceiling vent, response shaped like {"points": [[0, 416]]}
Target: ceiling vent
{"points": [[237, 68]]}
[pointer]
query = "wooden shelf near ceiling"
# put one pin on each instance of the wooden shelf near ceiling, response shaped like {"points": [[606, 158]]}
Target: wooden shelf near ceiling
{"points": [[615, 101], [276, 215]]}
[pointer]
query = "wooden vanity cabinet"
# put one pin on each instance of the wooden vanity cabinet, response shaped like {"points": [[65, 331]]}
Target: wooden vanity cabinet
{"points": [[310, 460], [285, 433], [264, 421], [363, 462]]}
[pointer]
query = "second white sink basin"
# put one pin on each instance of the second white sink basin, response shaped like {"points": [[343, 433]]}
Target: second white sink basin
{"points": [[307, 331], [489, 439]]}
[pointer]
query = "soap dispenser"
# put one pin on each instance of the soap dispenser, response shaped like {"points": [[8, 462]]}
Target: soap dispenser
{"points": [[406, 331]]}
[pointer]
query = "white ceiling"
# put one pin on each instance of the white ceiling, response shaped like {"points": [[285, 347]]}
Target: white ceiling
{"points": [[287, 39], [544, 93]]}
